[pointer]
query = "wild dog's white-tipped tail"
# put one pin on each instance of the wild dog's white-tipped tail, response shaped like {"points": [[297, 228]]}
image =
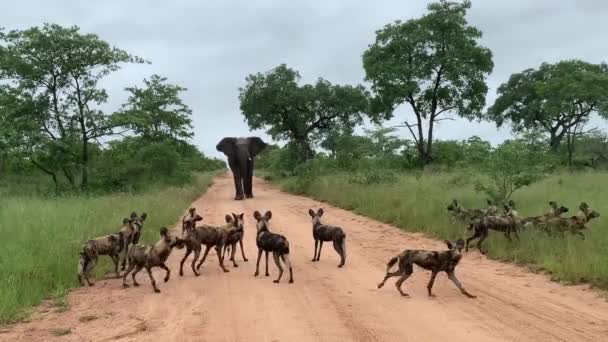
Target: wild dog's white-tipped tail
{"points": [[391, 263], [344, 247], [286, 260]]}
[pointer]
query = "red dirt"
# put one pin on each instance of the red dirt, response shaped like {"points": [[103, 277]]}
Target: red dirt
{"points": [[325, 303]]}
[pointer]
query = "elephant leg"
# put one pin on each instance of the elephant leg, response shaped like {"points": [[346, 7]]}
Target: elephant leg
{"points": [[248, 179], [238, 184]]}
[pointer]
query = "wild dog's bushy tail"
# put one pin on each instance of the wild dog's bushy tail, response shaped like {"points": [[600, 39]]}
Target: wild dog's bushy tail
{"points": [[344, 246], [391, 263], [284, 247]]}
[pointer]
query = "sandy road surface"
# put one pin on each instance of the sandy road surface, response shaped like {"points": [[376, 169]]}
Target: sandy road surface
{"points": [[325, 303]]}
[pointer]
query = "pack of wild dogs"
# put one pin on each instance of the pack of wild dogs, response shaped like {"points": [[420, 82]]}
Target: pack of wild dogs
{"points": [[124, 249], [553, 222]]}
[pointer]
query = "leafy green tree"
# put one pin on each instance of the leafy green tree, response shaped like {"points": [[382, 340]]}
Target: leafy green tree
{"points": [[555, 99], [294, 112], [515, 164], [157, 111], [62, 68], [434, 64]]}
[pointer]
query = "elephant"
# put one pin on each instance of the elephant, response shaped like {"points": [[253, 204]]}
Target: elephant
{"points": [[240, 153]]}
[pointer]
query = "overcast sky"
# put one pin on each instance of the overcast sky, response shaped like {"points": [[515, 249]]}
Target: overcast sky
{"points": [[210, 47]]}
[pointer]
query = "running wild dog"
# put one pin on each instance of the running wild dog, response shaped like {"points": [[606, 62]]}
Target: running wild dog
{"points": [[321, 233], [434, 261], [234, 237], [131, 232], [209, 236], [142, 256], [506, 224], [458, 213], [189, 221], [555, 212], [271, 242], [575, 224]]}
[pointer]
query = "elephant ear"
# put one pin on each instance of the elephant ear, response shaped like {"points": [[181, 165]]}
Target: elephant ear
{"points": [[227, 146], [256, 145]]}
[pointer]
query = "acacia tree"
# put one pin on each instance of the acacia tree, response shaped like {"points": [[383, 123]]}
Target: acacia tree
{"points": [[156, 111], [557, 99], [434, 64], [61, 68], [293, 112]]}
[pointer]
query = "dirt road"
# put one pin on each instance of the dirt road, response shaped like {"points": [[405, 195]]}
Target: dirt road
{"points": [[325, 303]]}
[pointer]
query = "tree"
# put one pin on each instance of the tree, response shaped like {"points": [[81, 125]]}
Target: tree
{"points": [[274, 100], [434, 64], [61, 68], [515, 164], [556, 99], [157, 112]]}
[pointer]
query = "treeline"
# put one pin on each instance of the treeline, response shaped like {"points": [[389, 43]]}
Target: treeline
{"points": [[52, 122], [436, 67]]}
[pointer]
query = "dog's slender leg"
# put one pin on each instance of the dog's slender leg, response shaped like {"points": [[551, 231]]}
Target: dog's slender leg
{"points": [[267, 274], [429, 287], [387, 276], [484, 235], [242, 250], [124, 275], [116, 259], [320, 247], [314, 258], [409, 269], [221, 260], [137, 269], [515, 232], [257, 264], [338, 248], [207, 248], [168, 274], [181, 264], [232, 252], [287, 262], [197, 254], [475, 236], [452, 277], [149, 270], [275, 256]]}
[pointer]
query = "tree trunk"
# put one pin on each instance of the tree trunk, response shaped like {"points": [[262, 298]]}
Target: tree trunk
{"points": [[85, 164], [48, 172]]}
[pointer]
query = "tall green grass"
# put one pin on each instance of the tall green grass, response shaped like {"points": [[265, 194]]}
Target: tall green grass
{"points": [[41, 237], [418, 203]]}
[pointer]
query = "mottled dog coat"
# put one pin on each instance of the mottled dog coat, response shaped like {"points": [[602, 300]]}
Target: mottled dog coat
{"points": [[142, 256], [507, 224], [434, 261], [270, 242], [322, 232], [555, 212], [575, 224], [235, 236], [209, 236], [131, 232], [189, 221]]}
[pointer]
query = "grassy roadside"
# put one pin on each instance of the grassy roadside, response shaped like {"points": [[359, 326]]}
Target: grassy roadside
{"points": [[43, 236], [419, 204]]}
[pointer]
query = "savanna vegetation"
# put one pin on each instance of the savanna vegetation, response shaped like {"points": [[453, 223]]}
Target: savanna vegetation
{"points": [[70, 171], [436, 67]]}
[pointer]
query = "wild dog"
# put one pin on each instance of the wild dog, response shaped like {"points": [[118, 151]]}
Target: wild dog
{"points": [[189, 221], [574, 224], [507, 224], [141, 256], [131, 232], [110, 245], [271, 242], [321, 233], [235, 236], [434, 261], [555, 212], [209, 236], [87, 262], [459, 213]]}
